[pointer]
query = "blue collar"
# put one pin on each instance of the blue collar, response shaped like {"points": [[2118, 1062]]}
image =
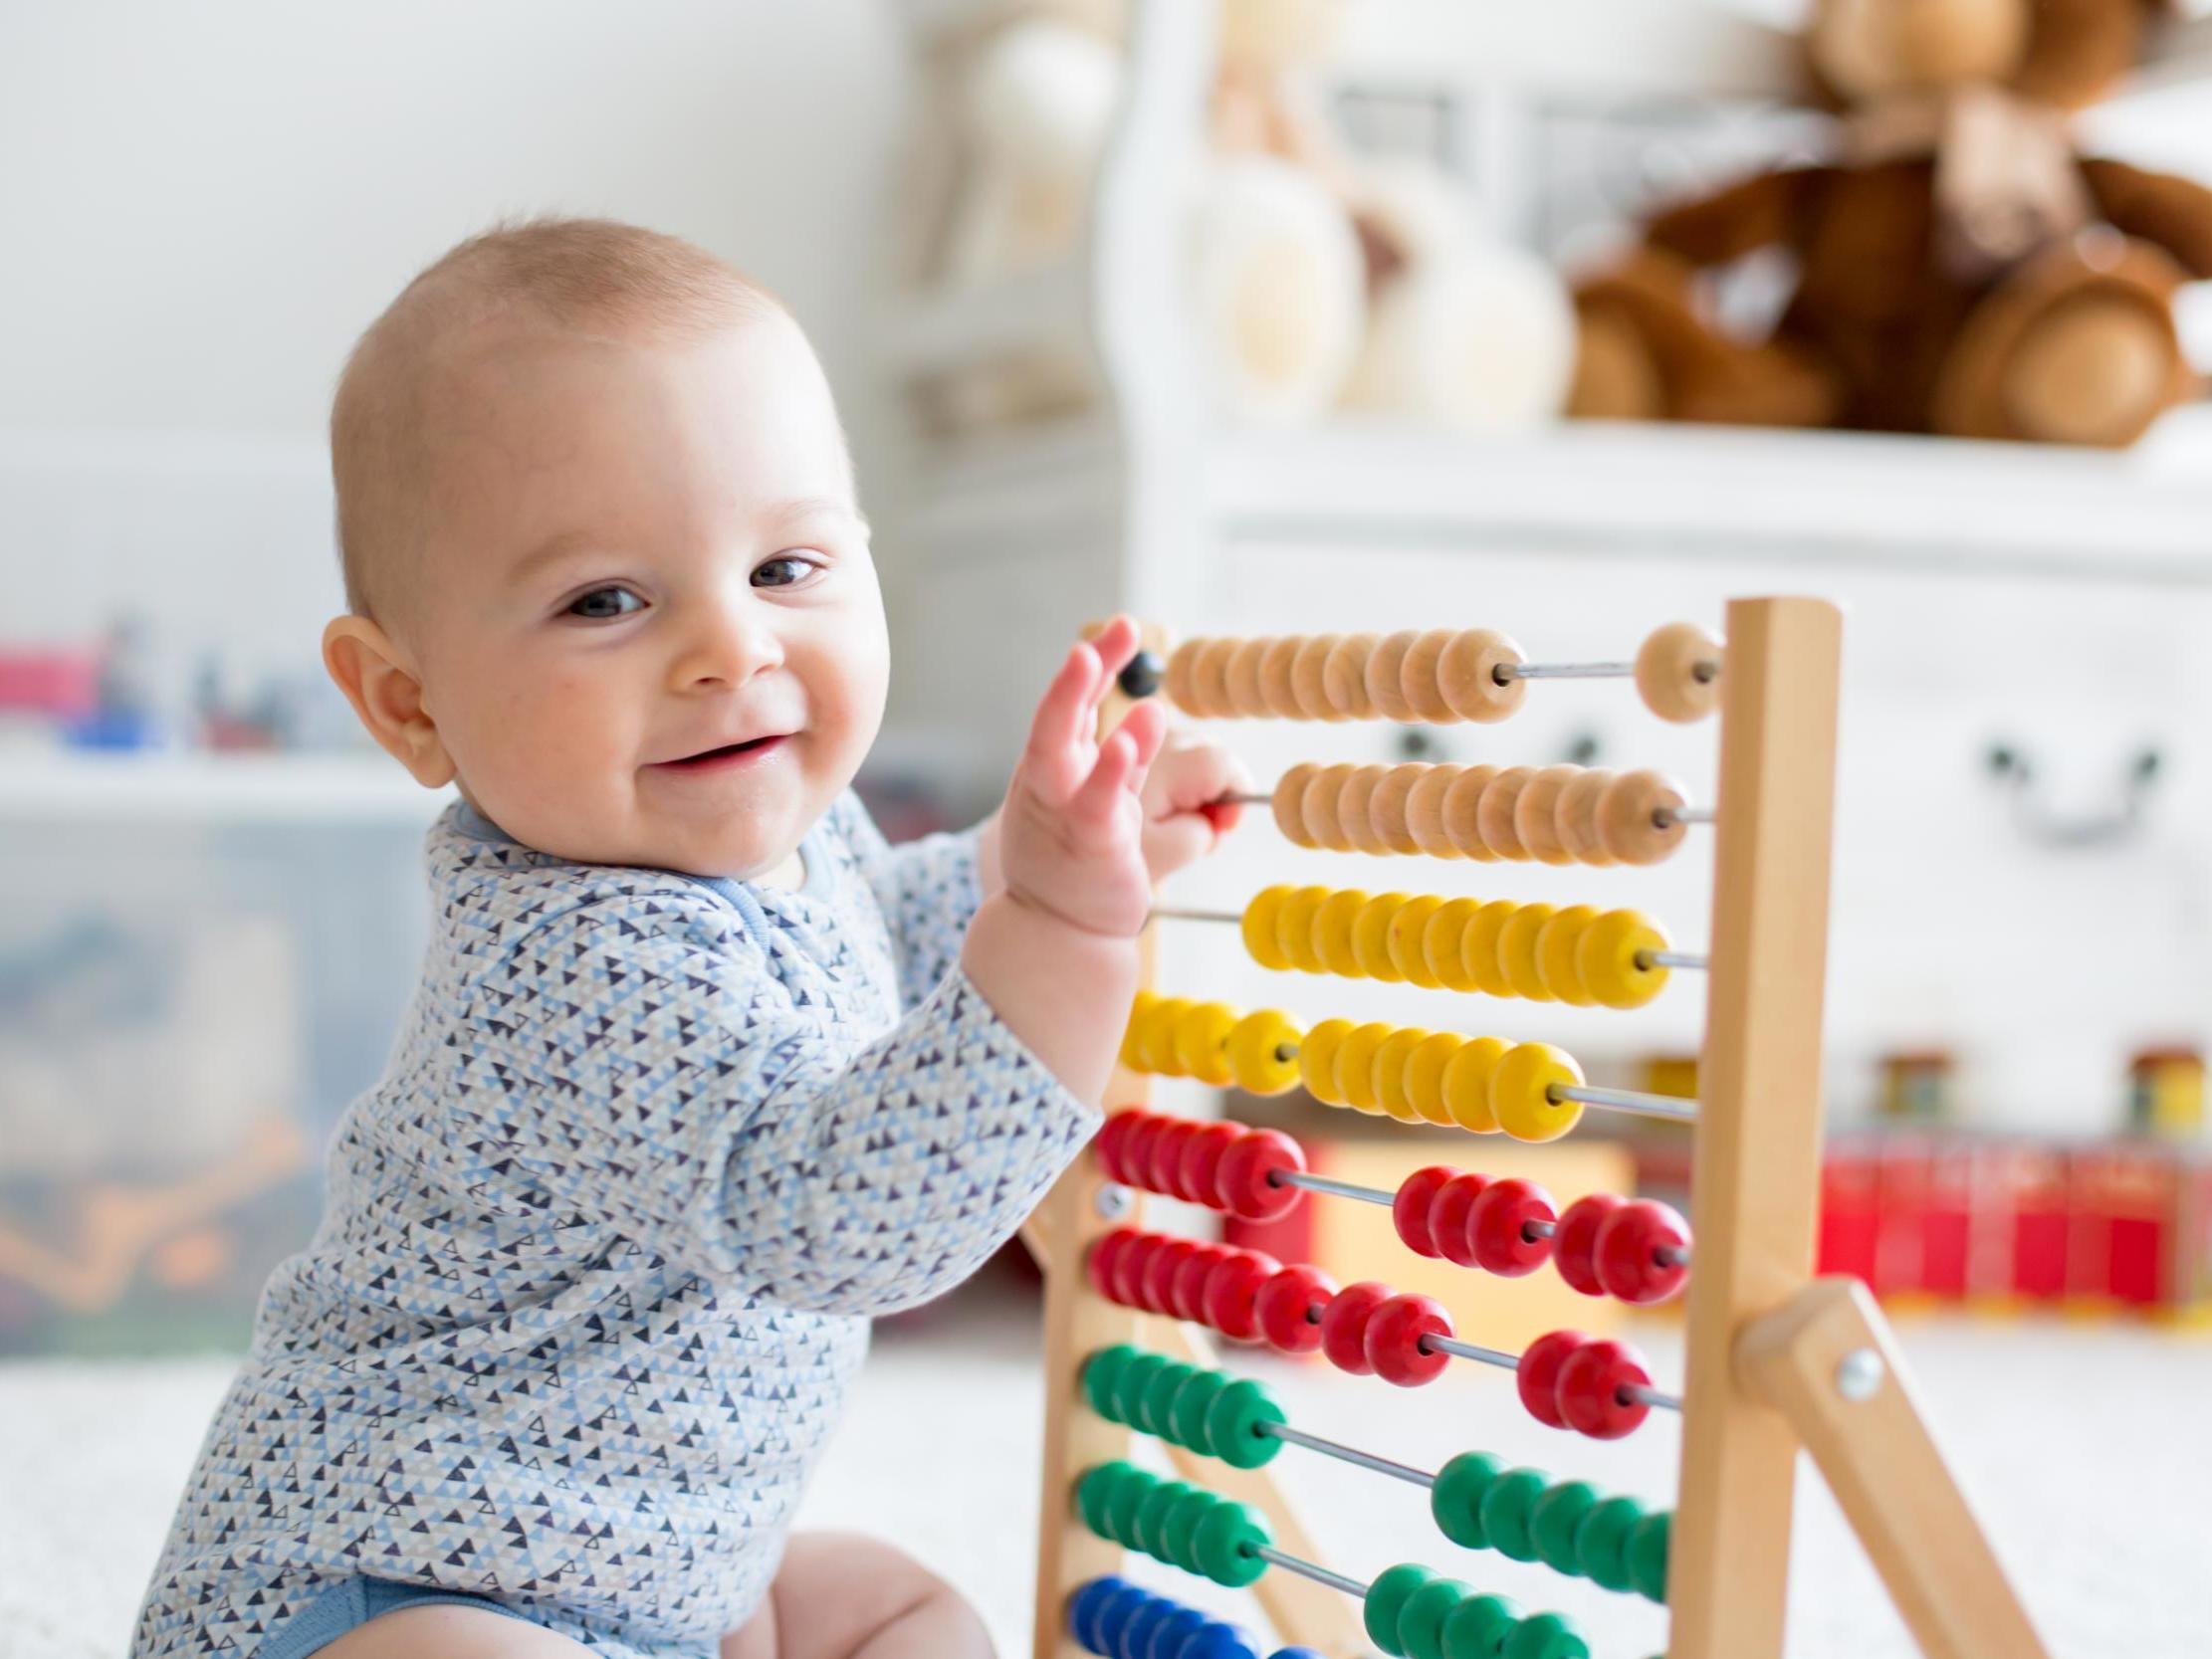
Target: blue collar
{"points": [[813, 849]]}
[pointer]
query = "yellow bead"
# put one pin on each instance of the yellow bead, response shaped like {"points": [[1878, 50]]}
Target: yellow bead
{"points": [[1479, 950], [1295, 929], [1317, 1060], [1444, 943], [1393, 1062], [1407, 930], [1371, 936], [1516, 952], [1466, 1084], [1520, 1092], [1201, 1041], [1355, 1065], [1133, 1056], [1259, 927], [1424, 1069], [1155, 1046], [1556, 942], [1332, 933], [1607, 958], [1264, 1052]]}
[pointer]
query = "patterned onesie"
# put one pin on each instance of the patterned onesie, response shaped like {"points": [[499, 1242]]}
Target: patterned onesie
{"points": [[600, 1247]]}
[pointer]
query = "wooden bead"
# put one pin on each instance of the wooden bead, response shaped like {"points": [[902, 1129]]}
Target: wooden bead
{"points": [[1355, 1065], [1393, 1063], [1443, 944], [1385, 668], [1576, 816], [1408, 931], [1516, 952], [1478, 948], [1509, 1228], [1462, 805], [1344, 677], [1591, 1389], [1558, 943], [1332, 933], [1371, 935], [1628, 817], [1317, 1060], [1284, 1308], [1295, 929], [1447, 1217], [1277, 691], [1536, 814], [1537, 1379], [1309, 685], [1493, 815], [1609, 959], [1180, 663], [1319, 807], [1210, 678], [1241, 678], [1520, 1092], [1575, 1245], [1629, 1249], [1394, 1336], [1677, 673], [1386, 808], [1424, 811], [1466, 1084], [1202, 1043], [1290, 803], [1261, 940], [1409, 1211], [1418, 678], [1355, 808], [1424, 1069], [1262, 1053], [1467, 675], [1243, 1183]]}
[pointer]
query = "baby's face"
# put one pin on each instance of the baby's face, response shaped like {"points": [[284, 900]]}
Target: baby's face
{"points": [[649, 629]]}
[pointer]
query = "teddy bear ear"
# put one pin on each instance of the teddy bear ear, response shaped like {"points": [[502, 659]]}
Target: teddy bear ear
{"points": [[2079, 49]]}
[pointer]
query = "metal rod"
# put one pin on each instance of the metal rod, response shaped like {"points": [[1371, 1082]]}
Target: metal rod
{"points": [[1667, 817], [1158, 913], [1337, 1188], [1246, 800], [1506, 673], [1652, 1398], [1306, 1569], [1648, 960], [1628, 1100], [1468, 1351], [1349, 1454], [1672, 1255]]}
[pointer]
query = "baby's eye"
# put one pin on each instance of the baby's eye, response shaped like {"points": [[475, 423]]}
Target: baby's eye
{"points": [[784, 570], [604, 602]]}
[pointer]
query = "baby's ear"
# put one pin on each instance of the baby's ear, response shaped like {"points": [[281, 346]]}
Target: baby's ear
{"points": [[384, 689]]}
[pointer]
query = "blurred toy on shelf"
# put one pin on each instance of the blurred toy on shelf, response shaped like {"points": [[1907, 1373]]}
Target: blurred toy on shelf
{"points": [[2166, 1093], [1919, 1085]]}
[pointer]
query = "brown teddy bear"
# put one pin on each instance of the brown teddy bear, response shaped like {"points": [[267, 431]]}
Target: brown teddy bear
{"points": [[1960, 269]]}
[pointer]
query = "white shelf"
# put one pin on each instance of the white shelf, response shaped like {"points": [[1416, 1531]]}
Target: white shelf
{"points": [[325, 789]]}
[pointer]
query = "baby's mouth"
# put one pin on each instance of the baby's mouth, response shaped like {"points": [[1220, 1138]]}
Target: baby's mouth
{"points": [[726, 753]]}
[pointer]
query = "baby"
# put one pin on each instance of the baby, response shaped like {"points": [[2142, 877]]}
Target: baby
{"points": [[701, 1074]]}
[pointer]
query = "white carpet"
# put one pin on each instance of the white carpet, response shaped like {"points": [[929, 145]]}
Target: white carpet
{"points": [[2086, 1449]]}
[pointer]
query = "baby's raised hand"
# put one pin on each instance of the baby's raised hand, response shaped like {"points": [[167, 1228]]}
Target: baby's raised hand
{"points": [[1071, 836], [1184, 812]]}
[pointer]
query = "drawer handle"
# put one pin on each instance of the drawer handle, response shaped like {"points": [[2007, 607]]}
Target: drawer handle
{"points": [[2015, 771]]}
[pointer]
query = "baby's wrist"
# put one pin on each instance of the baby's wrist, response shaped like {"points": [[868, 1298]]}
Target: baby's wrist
{"points": [[1062, 988]]}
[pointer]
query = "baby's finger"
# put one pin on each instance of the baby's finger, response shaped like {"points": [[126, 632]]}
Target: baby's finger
{"points": [[1147, 726], [1116, 643], [1100, 797], [1059, 746]]}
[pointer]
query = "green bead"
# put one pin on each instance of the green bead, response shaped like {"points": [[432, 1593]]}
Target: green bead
{"points": [[1479, 1627], [1233, 1423], [1647, 1555], [1151, 1514], [1506, 1511], [1130, 1385], [1100, 1372], [1456, 1499], [1152, 1405], [1092, 1492], [1386, 1600], [1554, 1522], [1122, 1505], [1421, 1623], [1180, 1528], [1544, 1636], [1224, 1544], [1187, 1415], [1602, 1543]]}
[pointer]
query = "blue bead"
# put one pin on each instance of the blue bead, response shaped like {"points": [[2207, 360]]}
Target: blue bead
{"points": [[1084, 1608], [1114, 1619], [1136, 1634], [1171, 1632], [1215, 1640], [1298, 1653]]}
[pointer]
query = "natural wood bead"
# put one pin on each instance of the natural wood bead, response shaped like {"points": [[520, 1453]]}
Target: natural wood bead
{"points": [[1181, 663], [1463, 808], [1577, 817], [1424, 811], [1536, 815], [1626, 814], [1387, 807], [1355, 808], [1290, 803], [1385, 688], [1466, 674], [1667, 671], [1344, 677], [1494, 818], [1319, 808], [1210, 678], [1309, 687], [1276, 690], [1418, 678], [1243, 677]]}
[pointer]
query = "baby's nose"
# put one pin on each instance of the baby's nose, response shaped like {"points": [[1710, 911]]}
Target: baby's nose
{"points": [[727, 644]]}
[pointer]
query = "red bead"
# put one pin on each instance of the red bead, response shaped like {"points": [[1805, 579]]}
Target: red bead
{"points": [[1284, 1308], [1575, 1245], [1538, 1377], [1129, 1267], [1590, 1384], [1628, 1252], [1241, 1179], [1344, 1326], [1186, 1295], [1136, 1149], [1198, 1175], [1447, 1217], [1165, 1172], [1106, 1250], [1409, 1211], [1111, 1140], [1232, 1293], [1392, 1341], [1498, 1228], [1160, 1272]]}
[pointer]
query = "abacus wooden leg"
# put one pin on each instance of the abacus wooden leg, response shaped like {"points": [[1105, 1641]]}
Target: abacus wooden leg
{"points": [[1826, 1363]]}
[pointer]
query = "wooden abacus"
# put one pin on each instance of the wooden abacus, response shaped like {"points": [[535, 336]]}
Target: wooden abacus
{"points": [[1775, 1360]]}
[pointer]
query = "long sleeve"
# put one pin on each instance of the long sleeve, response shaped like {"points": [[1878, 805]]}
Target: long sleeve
{"points": [[929, 892], [639, 1063]]}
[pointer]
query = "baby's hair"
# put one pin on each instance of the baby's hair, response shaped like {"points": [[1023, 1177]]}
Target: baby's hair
{"points": [[567, 272]]}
